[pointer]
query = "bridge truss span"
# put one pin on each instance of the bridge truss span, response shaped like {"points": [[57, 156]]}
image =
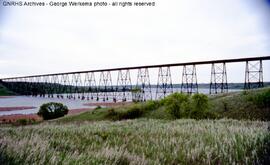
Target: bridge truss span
{"points": [[136, 83]]}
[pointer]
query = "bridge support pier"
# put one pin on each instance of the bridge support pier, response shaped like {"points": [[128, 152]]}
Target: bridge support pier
{"points": [[253, 74], [218, 82], [123, 89], [105, 86], [90, 86], [143, 87], [64, 86], [189, 79], [55, 83], [164, 84], [77, 84]]}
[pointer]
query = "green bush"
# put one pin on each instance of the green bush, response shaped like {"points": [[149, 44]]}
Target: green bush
{"points": [[200, 105], [260, 98], [22, 121], [150, 105], [52, 110], [181, 105], [178, 105], [130, 113]]}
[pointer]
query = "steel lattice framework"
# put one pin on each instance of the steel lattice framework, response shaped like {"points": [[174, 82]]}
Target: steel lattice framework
{"points": [[254, 74], [189, 79], [82, 85], [218, 82], [164, 84]]}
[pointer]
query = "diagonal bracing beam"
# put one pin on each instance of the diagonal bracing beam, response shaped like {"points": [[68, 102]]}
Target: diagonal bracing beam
{"points": [[143, 87], [189, 79], [124, 87], [90, 86], [105, 88], [253, 75], [164, 84], [218, 82]]}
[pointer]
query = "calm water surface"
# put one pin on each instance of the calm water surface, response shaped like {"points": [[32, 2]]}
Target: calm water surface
{"points": [[28, 101]]}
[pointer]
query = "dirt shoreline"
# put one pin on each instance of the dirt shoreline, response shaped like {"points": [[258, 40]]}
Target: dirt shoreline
{"points": [[111, 104], [14, 117], [16, 108], [6, 97]]}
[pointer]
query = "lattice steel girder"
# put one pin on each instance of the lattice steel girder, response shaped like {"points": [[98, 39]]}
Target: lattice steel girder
{"points": [[143, 87], [253, 74], [124, 87], [164, 84], [218, 83], [189, 79], [77, 85], [90, 86], [105, 89], [64, 85]]}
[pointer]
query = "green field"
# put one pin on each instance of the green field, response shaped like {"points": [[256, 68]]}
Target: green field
{"points": [[145, 133], [139, 141]]}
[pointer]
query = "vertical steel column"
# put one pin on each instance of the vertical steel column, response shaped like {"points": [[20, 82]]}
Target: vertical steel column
{"points": [[65, 86], [70, 86], [253, 75], [143, 87], [105, 86], [189, 79], [218, 82], [164, 84], [77, 84], [37, 86], [25, 86], [28, 86], [124, 87], [46, 85], [55, 85], [51, 86], [90, 85], [42, 86]]}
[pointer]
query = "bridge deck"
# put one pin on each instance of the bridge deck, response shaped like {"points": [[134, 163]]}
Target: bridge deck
{"points": [[155, 66]]}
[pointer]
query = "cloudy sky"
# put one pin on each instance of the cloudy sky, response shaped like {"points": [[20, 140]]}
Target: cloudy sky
{"points": [[38, 40]]}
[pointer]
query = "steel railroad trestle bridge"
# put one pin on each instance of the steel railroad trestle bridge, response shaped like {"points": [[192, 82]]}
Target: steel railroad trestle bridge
{"points": [[83, 85]]}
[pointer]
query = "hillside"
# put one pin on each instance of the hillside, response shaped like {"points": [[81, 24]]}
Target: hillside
{"points": [[252, 105], [4, 91], [145, 133]]}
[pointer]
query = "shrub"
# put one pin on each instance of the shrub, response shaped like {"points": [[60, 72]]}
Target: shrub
{"points": [[52, 110], [200, 106], [260, 99], [151, 105], [112, 114], [178, 105], [21, 121], [130, 113], [98, 107], [181, 105]]}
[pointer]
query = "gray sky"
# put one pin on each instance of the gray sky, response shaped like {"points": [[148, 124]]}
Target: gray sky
{"points": [[37, 40]]}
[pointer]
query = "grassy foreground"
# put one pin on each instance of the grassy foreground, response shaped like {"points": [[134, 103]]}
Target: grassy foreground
{"points": [[153, 136], [139, 141]]}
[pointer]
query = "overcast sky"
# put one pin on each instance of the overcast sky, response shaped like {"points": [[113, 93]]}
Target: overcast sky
{"points": [[37, 40]]}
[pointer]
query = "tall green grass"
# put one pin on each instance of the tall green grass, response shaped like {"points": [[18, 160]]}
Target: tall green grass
{"points": [[140, 141]]}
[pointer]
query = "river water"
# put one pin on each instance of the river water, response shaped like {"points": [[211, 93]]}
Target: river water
{"points": [[28, 101]]}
